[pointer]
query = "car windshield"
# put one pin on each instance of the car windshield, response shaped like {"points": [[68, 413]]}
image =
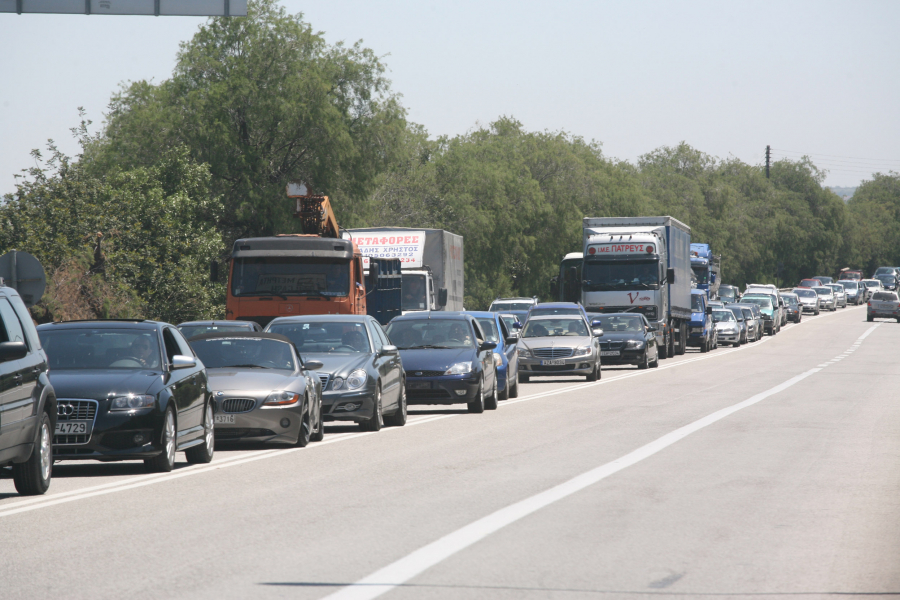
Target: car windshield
{"points": [[489, 328], [805, 293], [413, 296], [760, 301], [313, 337], [748, 314], [792, 300], [554, 328], [620, 323], [251, 353], [824, 279], [600, 275], [885, 296], [850, 284], [823, 291], [737, 312], [886, 279], [190, 331], [290, 276], [539, 312], [101, 348], [726, 293], [410, 334], [884, 271], [723, 316], [835, 287], [871, 284], [696, 303], [504, 306]]}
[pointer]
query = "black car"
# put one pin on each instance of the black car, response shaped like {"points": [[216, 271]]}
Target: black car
{"points": [[362, 374], [628, 339], [128, 390], [194, 328], [447, 360], [27, 399]]}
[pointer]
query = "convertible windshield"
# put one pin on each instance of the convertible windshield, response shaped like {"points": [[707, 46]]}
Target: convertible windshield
{"points": [[252, 353], [723, 316], [101, 348], [324, 336], [759, 301], [617, 323], [611, 275], [554, 328], [409, 334], [290, 276]]}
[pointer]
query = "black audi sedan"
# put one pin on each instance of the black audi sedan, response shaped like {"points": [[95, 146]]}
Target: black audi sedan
{"points": [[628, 339], [128, 390], [447, 359]]}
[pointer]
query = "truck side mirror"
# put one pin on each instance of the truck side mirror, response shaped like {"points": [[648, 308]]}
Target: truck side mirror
{"points": [[442, 297], [709, 310], [670, 276], [214, 271]]}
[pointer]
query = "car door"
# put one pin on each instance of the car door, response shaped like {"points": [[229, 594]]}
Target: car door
{"points": [[395, 372], [512, 357], [382, 364], [485, 357], [18, 379], [197, 374], [182, 385]]}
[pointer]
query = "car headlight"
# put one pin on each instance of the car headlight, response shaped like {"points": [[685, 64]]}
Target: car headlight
{"points": [[634, 344], [460, 368], [132, 402], [281, 398], [582, 351], [524, 352], [498, 360], [357, 379]]}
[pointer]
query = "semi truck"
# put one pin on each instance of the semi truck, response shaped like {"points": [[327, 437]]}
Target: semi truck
{"points": [[706, 268], [431, 262], [640, 264]]}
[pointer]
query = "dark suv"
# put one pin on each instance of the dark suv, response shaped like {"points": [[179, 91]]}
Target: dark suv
{"points": [[27, 401]]}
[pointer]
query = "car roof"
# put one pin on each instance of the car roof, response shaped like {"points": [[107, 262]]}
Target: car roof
{"points": [[558, 305], [434, 315], [527, 298], [550, 317], [241, 334], [139, 324], [319, 319], [482, 314]]}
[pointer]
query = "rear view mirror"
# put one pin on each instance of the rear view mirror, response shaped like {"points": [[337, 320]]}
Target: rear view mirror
{"points": [[670, 276], [313, 365], [12, 351], [597, 332], [487, 346], [442, 297]]}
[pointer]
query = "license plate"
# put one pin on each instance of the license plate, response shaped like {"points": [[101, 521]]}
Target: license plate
{"points": [[73, 427], [552, 362], [610, 353], [419, 385], [225, 419]]}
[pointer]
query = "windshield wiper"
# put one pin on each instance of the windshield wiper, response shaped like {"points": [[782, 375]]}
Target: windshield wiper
{"points": [[245, 367], [429, 346]]}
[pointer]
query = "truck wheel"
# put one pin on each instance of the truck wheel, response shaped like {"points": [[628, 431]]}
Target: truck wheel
{"points": [[682, 340], [704, 346], [663, 351]]}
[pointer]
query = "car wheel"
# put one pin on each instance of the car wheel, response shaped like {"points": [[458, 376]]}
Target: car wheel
{"points": [[645, 362], [870, 319], [305, 426], [491, 402], [655, 362], [477, 405], [376, 421], [514, 390], [398, 419], [165, 461], [319, 434], [593, 376], [523, 378], [32, 477], [203, 453], [704, 346], [504, 395]]}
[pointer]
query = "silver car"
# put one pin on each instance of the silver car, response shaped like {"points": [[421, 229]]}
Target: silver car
{"points": [[263, 391], [752, 320], [826, 298], [884, 305], [727, 326], [558, 345], [809, 300], [854, 291], [872, 286], [738, 313], [840, 296]]}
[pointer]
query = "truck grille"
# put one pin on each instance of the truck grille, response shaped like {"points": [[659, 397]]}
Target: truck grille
{"points": [[553, 352], [238, 405], [69, 409]]}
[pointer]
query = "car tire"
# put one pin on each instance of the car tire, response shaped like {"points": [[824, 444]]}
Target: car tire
{"points": [[523, 378], [514, 390], [504, 395], [203, 453], [655, 363], [398, 419], [704, 346], [870, 319], [491, 403], [319, 433], [644, 363], [164, 462], [305, 433], [477, 405], [32, 477], [376, 421], [593, 376]]}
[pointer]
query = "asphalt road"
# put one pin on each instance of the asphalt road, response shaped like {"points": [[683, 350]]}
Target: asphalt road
{"points": [[767, 471]]}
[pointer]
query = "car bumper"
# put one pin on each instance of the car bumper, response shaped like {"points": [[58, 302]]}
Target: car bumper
{"points": [[126, 435], [445, 389], [259, 425], [883, 314], [580, 365], [348, 406], [626, 357], [769, 326]]}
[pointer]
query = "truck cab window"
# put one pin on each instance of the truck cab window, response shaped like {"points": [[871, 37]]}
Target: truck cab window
{"points": [[413, 293], [289, 276]]}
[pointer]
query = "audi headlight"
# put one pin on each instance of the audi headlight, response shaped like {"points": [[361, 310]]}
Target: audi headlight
{"points": [[337, 383], [582, 351], [460, 368], [498, 360], [132, 402], [634, 344], [357, 379], [281, 398]]}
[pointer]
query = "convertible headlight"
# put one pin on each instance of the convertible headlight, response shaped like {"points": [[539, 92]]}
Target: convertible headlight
{"points": [[132, 402], [635, 344], [498, 360], [357, 379], [460, 368], [281, 398], [524, 352], [582, 351]]}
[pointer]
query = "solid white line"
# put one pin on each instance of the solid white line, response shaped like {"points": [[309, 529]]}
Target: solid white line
{"points": [[401, 571]]}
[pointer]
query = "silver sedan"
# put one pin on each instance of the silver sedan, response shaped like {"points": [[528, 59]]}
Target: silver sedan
{"points": [[558, 345]]}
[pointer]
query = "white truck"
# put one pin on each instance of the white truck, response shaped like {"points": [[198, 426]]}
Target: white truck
{"points": [[431, 262], [640, 264]]}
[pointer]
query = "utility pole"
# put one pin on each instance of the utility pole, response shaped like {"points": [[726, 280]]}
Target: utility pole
{"points": [[768, 154]]}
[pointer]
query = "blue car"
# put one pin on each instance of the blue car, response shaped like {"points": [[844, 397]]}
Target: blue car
{"points": [[506, 357], [447, 359], [701, 332]]}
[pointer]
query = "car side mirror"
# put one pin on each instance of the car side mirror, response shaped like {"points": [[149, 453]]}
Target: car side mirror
{"points": [[314, 365], [12, 351], [517, 325], [389, 349], [597, 332], [512, 340], [487, 346], [180, 361], [654, 327]]}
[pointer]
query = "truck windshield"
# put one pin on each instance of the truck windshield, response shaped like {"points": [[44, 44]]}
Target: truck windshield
{"points": [[290, 276], [696, 303], [640, 274], [413, 290], [701, 272]]}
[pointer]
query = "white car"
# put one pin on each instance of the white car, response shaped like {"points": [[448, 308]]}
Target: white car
{"points": [[840, 295], [872, 286], [826, 298]]}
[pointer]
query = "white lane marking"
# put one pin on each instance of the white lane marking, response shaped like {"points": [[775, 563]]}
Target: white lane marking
{"points": [[404, 569], [83, 493]]}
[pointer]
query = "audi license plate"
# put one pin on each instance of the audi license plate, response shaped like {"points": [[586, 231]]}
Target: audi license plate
{"points": [[553, 362], [610, 353], [225, 419], [73, 427], [419, 385]]}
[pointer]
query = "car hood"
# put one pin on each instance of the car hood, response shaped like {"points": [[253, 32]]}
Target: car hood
{"points": [[338, 363], [249, 380], [559, 341], [615, 336], [98, 384], [434, 359]]}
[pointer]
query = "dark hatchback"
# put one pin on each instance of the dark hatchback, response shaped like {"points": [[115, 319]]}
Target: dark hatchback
{"points": [[447, 360], [628, 339], [128, 390]]}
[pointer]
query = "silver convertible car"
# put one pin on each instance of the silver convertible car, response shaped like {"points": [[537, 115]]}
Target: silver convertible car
{"points": [[558, 345], [263, 391]]}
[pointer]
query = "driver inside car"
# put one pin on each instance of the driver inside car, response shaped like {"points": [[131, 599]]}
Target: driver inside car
{"points": [[355, 340], [142, 352]]}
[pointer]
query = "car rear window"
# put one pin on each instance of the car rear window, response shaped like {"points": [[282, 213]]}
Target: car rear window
{"points": [[885, 296]]}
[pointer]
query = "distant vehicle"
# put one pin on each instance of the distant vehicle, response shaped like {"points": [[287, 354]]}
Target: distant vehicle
{"points": [[888, 281], [513, 324], [520, 315], [628, 339], [729, 293], [447, 359], [506, 356], [850, 276], [809, 299], [702, 332], [883, 305], [753, 319], [562, 344], [826, 298], [508, 304], [706, 268], [728, 329], [871, 286], [809, 283], [193, 328], [738, 313], [853, 290], [885, 271], [556, 308], [840, 296], [792, 306], [769, 308], [716, 304], [824, 279], [361, 375], [263, 391], [132, 390], [28, 405]]}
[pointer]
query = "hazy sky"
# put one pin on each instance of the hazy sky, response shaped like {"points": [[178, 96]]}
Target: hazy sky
{"points": [[811, 77]]}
